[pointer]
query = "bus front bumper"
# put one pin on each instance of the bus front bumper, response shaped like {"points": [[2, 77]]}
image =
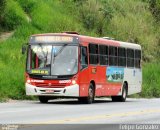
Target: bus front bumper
{"points": [[68, 91]]}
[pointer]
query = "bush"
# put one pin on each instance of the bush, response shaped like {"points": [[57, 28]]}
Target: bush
{"points": [[13, 15], [27, 5], [155, 8], [2, 7]]}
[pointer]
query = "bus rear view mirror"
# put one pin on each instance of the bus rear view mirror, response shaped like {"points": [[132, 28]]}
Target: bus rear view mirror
{"points": [[24, 48]]}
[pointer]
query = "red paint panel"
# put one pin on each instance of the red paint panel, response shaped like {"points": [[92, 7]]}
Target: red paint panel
{"points": [[84, 81]]}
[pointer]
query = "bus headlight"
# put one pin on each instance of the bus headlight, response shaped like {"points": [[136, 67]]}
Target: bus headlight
{"points": [[73, 82], [28, 81]]}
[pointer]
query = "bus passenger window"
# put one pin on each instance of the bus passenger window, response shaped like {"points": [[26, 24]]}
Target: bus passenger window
{"points": [[113, 56], [137, 58], [121, 56], [93, 54], [84, 58], [130, 58], [103, 54]]}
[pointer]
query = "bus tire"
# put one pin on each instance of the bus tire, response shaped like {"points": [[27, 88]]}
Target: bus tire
{"points": [[123, 97], [90, 98], [91, 93], [43, 99]]}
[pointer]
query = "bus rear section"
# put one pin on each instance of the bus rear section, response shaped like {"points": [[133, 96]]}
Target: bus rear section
{"points": [[114, 68]]}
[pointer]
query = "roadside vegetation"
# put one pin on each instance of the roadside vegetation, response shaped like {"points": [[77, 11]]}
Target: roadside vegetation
{"points": [[133, 21]]}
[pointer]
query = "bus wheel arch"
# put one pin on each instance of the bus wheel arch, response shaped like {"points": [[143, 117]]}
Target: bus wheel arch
{"points": [[91, 94], [94, 85], [123, 96]]}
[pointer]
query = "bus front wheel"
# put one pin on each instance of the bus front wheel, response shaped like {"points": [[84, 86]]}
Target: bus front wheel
{"points": [[43, 99], [123, 97], [90, 98]]}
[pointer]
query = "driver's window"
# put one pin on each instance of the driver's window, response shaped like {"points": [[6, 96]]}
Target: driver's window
{"points": [[84, 58]]}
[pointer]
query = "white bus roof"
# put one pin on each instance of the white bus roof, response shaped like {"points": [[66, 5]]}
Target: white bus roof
{"points": [[130, 45]]}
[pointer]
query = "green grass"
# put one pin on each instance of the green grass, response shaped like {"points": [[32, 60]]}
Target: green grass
{"points": [[12, 70], [125, 21], [151, 80]]}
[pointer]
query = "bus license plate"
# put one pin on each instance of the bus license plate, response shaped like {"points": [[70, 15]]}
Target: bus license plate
{"points": [[49, 91]]}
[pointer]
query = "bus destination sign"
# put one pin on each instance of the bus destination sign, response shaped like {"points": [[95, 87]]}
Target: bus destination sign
{"points": [[51, 39]]}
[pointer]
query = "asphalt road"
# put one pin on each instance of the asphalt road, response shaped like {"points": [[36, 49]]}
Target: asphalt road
{"points": [[69, 111]]}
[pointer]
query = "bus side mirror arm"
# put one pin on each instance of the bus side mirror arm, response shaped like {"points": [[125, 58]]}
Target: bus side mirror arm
{"points": [[24, 48]]}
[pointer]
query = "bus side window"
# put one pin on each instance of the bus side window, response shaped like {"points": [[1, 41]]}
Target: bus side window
{"points": [[130, 58], [121, 57], [137, 58], [103, 54], [84, 58], [93, 54], [112, 56]]}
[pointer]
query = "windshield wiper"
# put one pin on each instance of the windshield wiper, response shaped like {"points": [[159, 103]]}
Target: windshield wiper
{"points": [[60, 50]]}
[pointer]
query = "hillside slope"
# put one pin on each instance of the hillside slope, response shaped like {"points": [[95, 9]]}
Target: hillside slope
{"points": [[126, 21]]}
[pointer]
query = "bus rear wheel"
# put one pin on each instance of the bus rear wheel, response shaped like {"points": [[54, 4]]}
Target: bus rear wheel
{"points": [[43, 99], [123, 97]]}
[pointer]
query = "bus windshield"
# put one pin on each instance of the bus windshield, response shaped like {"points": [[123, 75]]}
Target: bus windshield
{"points": [[52, 59]]}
